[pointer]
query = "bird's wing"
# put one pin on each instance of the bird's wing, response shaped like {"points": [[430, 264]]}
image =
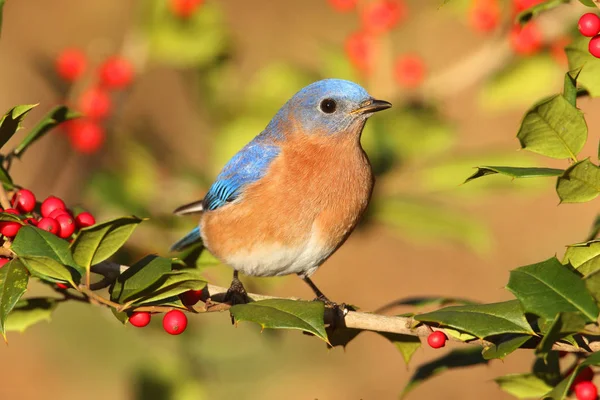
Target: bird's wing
{"points": [[247, 166]]}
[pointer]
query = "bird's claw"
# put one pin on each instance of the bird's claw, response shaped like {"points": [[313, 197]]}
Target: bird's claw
{"points": [[236, 294]]}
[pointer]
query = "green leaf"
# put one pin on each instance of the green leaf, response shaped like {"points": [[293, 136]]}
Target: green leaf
{"points": [[1, 10], [589, 3], [169, 285], [553, 128], [138, 277], [29, 312], [592, 283], [10, 123], [406, 344], [5, 178], [579, 183], [96, 243], [481, 320], [523, 386], [306, 316], [35, 242], [13, 284], [55, 117], [503, 345], [526, 15], [47, 269], [454, 359], [570, 87], [579, 57], [561, 390], [548, 288], [585, 257], [515, 172], [563, 325]]}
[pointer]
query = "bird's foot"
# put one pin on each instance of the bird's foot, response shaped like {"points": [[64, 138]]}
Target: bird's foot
{"points": [[236, 294], [338, 308]]}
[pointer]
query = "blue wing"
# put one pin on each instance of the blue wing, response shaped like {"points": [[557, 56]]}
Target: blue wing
{"points": [[247, 166], [188, 240]]}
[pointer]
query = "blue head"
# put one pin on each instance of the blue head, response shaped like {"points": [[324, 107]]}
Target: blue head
{"points": [[329, 107]]}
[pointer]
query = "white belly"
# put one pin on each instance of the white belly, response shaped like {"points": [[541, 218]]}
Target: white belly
{"points": [[275, 259]]}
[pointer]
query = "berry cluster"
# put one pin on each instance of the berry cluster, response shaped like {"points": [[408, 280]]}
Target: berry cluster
{"points": [[378, 18], [87, 134], [184, 8], [174, 322], [589, 26]]}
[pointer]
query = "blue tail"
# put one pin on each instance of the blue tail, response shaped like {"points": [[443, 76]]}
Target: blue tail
{"points": [[191, 238]]}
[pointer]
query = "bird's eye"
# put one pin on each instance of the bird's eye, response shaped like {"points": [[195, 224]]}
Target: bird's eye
{"points": [[328, 106]]}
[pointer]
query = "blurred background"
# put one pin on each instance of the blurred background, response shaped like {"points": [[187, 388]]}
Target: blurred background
{"points": [[201, 78]]}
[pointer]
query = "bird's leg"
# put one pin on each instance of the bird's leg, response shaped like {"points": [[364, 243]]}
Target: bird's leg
{"points": [[320, 295], [236, 294], [340, 310]]}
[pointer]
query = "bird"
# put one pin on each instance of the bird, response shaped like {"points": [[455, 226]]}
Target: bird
{"points": [[290, 197]]}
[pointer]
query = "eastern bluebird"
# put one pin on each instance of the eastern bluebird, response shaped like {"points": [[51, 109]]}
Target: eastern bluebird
{"points": [[291, 197]]}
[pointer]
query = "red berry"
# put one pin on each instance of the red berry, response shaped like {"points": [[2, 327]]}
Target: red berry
{"points": [[586, 391], [184, 8], [526, 40], [59, 211], [140, 319], [116, 73], [409, 71], [31, 221], [342, 5], [521, 5], [586, 374], [87, 137], [48, 224], [191, 297], [594, 46], [360, 51], [11, 211], [485, 15], [9, 229], [23, 200], [383, 15], [84, 219], [557, 50], [174, 322], [3, 260], [70, 64], [589, 24], [66, 225], [437, 339], [95, 103], [62, 286], [50, 204]]}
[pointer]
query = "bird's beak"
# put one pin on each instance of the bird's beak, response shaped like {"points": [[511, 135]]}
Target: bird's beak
{"points": [[371, 106]]}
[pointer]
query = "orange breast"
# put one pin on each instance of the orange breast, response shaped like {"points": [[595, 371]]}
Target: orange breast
{"points": [[316, 183]]}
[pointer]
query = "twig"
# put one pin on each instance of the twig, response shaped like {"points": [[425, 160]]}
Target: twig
{"points": [[4, 202]]}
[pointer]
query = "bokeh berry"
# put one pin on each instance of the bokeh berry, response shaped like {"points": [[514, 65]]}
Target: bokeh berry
{"points": [[436, 339], [589, 24], [191, 297], [23, 200], [522, 5], [95, 103], [140, 319], [526, 40], [184, 8], [62, 286], [409, 71], [360, 51], [484, 15], [3, 261], [174, 322], [116, 73], [383, 15], [342, 5], [50, 204], [586, 374], [586, 391], [87, 136], [70, 64]]}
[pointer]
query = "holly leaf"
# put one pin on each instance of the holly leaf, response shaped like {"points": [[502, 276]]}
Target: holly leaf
{"points": [[138, 277], [579, 183], [579, 57], [515, 172], [47, 269], [28, 312], [523, 386], [481, 320], [562, 326], [13, 284], [553, 128], [306, 316], [96, 243], [406, 344], [10, 123], [548, 288], [455, 359], [585, 257], [35, 242], [503, 345], [169, 285], [55, 117]]}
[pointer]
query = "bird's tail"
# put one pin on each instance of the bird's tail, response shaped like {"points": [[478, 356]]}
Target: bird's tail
{"points": [[191, 238]]}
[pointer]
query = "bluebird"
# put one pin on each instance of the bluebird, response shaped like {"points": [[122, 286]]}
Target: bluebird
{"points": [[292, 196]]}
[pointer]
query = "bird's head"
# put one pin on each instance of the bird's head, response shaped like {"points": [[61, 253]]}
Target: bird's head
{"points": [[330, 107]]}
